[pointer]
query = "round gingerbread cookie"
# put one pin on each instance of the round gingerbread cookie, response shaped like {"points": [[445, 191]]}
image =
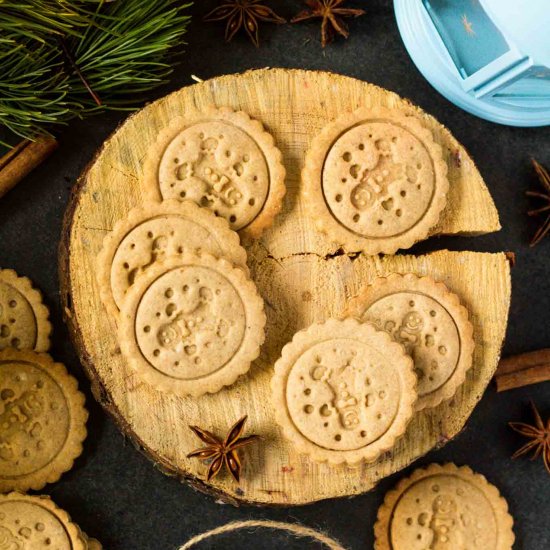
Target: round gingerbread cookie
{"points": [[343, 391], [445, 508], [192, 325], [23, 317], [36, 522], [42, 420], [222, 160], [428, 319], [156, 231], [375, 181]]}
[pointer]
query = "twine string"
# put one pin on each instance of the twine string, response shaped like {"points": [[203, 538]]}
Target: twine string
{"points": [[299, 531]]}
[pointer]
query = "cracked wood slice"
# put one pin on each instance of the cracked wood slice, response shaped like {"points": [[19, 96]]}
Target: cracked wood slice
{"points": [[298, 273]]}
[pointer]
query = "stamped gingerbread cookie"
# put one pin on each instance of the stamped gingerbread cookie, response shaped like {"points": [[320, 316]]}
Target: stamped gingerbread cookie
{"points": [[375, 181], [192, 325], [222, 160], [42, 420], [157, 231], [430, 322], [24, 320], [444, 508], [35, 522], [343, 391]]}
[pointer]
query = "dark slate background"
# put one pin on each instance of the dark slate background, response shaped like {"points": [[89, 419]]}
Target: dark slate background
{"points": [[113, 492]]}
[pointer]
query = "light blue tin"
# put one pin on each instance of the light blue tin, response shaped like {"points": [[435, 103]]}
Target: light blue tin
{"points": [[489, 57]]}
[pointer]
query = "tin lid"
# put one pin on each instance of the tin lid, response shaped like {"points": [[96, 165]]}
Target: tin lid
{"points": [[493, 70], [525, 23]]}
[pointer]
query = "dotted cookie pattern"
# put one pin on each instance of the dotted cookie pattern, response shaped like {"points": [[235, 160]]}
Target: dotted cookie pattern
{"points": [[23, 317], [222, 160], [375, 181], [192, 325], [343, 392], [444, 508], [157, 231], [32, 522], [428, 320], [42, 420]]}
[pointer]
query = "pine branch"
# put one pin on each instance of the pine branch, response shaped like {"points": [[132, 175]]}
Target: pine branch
{"points": [[33, 88], [39, 18], [61, 58]]}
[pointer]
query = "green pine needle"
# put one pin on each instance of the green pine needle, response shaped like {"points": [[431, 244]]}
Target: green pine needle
{"points": [[52, 51]]}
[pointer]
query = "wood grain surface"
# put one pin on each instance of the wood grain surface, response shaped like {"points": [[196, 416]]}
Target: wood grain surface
{"points": [[302, 277]]}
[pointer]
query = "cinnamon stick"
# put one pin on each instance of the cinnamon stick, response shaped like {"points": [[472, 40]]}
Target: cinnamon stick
{"points": [[522, 370], [22, 159]]}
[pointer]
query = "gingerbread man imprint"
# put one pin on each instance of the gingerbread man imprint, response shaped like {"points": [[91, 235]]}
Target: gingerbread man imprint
{"points": [[378, 179], [349, 402], [426, 330]]}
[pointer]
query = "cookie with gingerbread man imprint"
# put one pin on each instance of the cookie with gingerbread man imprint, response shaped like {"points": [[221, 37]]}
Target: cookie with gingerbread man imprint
{"points": [[192, 325], [444, 507], [428, 319], [222, 160], [154, 232], [42, 420], [375, 181], [343, 391], [36, 522]]}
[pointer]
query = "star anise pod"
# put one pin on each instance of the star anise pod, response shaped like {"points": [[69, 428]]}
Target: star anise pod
{"points": [[544, 178], [218, 452], [331, 13], [243, 13], [539, 435]]}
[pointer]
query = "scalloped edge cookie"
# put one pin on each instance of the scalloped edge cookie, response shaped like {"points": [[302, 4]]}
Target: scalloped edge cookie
{"points": [[237, 366], [41, 313], [316, 205], [504, 520], [325, 331], [73, 445], [76, 537], [383, 286], [265, 141], [227, 239], [91, 543]]}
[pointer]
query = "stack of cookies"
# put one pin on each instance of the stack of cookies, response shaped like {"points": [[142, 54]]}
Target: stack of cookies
{"points": [[345, 390], [42, 422], [173, 275]]}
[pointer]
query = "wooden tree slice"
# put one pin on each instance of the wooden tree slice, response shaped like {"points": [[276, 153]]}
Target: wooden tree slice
{"points": [[301, 277]]}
